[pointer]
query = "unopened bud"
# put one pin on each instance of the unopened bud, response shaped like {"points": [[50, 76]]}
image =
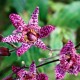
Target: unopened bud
{"points": [[1, 38], [8, 78], [4, 51]]}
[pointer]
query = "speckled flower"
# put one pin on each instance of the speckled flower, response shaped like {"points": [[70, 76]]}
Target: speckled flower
{"points": [[29, 75], [26, 75], [69, 61], [28, 34]]}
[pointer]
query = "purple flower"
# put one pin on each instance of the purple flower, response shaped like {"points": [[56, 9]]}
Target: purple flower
{"points": [[69, 61], [28, 34], [26, 75], [29, 75]]}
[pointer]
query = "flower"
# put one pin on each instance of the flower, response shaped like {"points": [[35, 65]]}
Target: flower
{"points": [[69, 61], [28, 34], [4, 51], [29, 75], [26, 75]]}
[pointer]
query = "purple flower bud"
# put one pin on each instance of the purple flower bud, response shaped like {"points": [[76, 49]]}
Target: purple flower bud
{"points": [[1, 38], [8, 78], [4, 51]]}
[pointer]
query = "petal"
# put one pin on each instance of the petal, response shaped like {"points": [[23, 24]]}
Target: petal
{"points": [[19, 72], [74, 69], [60, 73], [68, 48], [42, 76], [40, 44], [33, 68], [21, 50], [46, 30], [12, 38], [15, 69], [17, 20], [34, 18]]}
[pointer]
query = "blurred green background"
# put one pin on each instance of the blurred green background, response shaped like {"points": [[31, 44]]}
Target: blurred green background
{"points": [[64, 14]]}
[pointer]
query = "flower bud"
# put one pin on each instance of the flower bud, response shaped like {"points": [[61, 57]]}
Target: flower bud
{"points": [[8, 78], [4, 51], [1, 38]]}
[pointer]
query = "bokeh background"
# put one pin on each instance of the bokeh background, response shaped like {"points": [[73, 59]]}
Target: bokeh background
{"points": [[64, 14]]}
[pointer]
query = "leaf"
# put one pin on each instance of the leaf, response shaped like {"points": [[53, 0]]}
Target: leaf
{"points": [[19, 5], [43, 4], [69, 16]]}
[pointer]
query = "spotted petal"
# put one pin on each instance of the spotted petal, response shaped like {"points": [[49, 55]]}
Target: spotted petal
{"points": [[60, 73], [33, 68], [40, 44], [34, 18], [68, 48], [46, 30], [74, 69], [19, 72], [42, 76], [17, 21], [12, 38], [24, 47]]}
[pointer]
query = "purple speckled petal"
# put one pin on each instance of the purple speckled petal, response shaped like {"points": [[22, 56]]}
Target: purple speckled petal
{"points": [[73, 69], [46, 30], [21, 50], [17, 20], [18, 72], [13, 38], [33, 68], [42, 76], [34, 18], [60, 73], [39, 43], [68, 48]]}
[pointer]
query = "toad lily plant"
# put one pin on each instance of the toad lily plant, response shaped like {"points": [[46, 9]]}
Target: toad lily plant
{"points": [[28, 34], [69, 61]]}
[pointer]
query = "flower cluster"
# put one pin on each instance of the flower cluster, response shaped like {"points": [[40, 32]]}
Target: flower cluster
{"points": [[30, 34]]}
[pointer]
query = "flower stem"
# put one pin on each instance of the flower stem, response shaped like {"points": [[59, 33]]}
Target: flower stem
{"points": [[14, 46], [77, 45], [47, 63]]}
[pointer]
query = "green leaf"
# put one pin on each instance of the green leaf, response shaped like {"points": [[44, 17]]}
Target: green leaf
{"points": [[69, 16], [43, 4], [19, 5]]}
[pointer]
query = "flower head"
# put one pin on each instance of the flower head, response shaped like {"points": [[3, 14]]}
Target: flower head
{"points": [[69, 61], [28, 34], [29, 75], [26, 75]]}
